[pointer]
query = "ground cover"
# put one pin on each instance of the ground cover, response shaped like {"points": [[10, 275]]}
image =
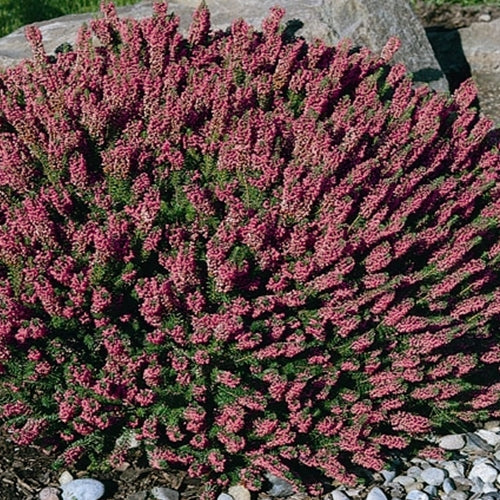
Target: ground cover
{"points": [[25, 470]]}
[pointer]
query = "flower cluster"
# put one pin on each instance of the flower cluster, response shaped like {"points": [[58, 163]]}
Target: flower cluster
{"points": [[249, 252]]}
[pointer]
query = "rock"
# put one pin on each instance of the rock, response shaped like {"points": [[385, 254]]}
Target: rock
{"points": [[82, 489], [371, 22], [140, 495], [417, 495], [433, 476], [65, 477], [164, 493], [280, 487], [415, 472], [376, 494], [239, 492], [225, 496], [452, 442], [388, 475], [417, 485], [367, 22], [492, 438], [432, 491], [476, 445], [456, 495], [404, 480], [483, 471], [49, 493], [338, 495], [448, 485], [492, 425], [454, 468], [482, 55]]}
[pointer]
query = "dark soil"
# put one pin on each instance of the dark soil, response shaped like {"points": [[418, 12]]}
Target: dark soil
{"points": [[25, 471]]}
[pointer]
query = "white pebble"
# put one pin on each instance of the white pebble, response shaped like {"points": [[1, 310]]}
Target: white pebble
{"points": [[338, 495], [485, 18], [224, 496], [448, 485], [414, 471], [486, 472], [388, 475], [454, 468], [82, 489], [492, 425], [452, 442], [488, 488], [65, 477], [280, 487], [239, 492], [49, 493], [376, 494], [490, 437], [433, 476], [432, 491], [456, 495], [404, 480], [417, 495], [164, 493]]}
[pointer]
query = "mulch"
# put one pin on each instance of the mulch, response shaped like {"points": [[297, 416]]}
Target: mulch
{"points": [[24, 471]]}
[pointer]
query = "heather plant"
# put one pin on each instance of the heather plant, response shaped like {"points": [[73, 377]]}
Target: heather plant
{"points": [[246, 252]]}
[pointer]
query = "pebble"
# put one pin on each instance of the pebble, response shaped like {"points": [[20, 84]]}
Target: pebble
{"points": [[376, 494], [65, 477], [433, 476], [239, 492], [452, 442], [485, 18], [164, 493], [483, 471], [472, 472], [417, 495], [280, 487], [49, 493], [82, 489], [338, 495]]}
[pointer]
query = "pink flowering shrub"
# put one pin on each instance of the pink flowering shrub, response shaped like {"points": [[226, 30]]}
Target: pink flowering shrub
{"points": [[250, 253]]}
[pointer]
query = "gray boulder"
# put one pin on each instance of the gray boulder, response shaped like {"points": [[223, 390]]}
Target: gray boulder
{"points": [[366, 22]]}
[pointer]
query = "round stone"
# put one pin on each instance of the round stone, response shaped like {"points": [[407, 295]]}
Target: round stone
{"points": [[448, 485], [49, 493], [376, 494], [492, 438], [492, 425], [280, 487], [404, 480], [388, 475], [457, 495], [486, 472], [65, 477], [82, 489], [454, 468], [338, 495], [433, 476], [432, 491], [239, 492], [164, 493], [224, 496], [452, 442], [417, 495], [414, 471]]}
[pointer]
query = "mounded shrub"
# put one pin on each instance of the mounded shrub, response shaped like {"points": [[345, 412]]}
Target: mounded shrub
{"points": [[247, 252]]}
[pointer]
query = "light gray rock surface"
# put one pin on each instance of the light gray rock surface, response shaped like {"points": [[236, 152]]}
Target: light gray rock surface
{"points": [[480, 49], [366, 22]]}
